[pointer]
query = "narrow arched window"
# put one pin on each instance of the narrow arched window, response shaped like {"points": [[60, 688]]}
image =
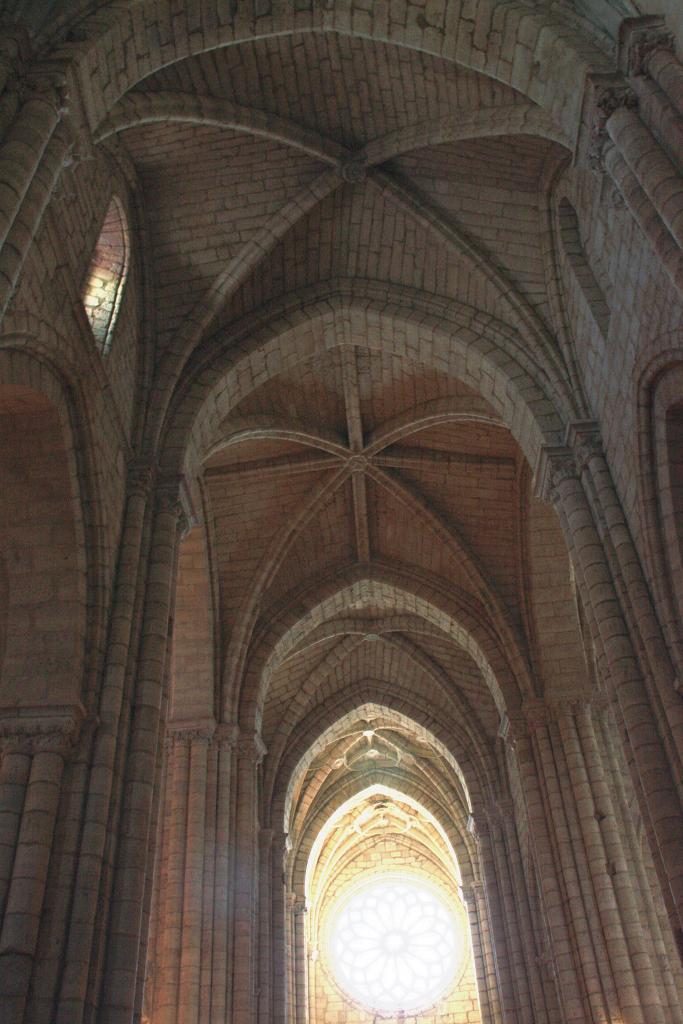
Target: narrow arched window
{"points": [[583, 272], [106, 276]]}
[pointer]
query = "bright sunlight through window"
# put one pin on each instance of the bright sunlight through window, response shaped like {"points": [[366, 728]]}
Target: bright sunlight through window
{"points": [[395, 944]]}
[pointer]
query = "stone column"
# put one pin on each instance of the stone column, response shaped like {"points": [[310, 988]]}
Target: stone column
{"points": [[35, 151], [510, 901], [250, 752], [125, 922], [655, 173], [15, 765], [265, 943], [524, 984], [289, 947], [24, 145], [558, 476], [645, 215], [170, 931], [562, 885], [35, 743], [503, 942], [634, 593], [225, 741], [642, 172], [300, 954], [199, 738], [539, 969], [646, 51], [650, 903], [78, 984], [619, 972], [484, 958], [602, 831], [181, 951], [280, 951], [209, 880]]}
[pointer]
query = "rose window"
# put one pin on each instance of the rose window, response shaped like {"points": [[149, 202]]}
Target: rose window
{"points": [[395, 944]]}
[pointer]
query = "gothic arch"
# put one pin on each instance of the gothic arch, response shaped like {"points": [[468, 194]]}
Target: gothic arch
{"points": [[659, 418], [46, 580], [556, 47], [455, 743], [488, 357], [445, 612]]}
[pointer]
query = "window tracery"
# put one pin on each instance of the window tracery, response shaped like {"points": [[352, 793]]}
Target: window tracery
{"points": [[395, 945]]}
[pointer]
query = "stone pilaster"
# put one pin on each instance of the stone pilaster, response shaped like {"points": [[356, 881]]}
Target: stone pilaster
{"points": [[34, 746]]}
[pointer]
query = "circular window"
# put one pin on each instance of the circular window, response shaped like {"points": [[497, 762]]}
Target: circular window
{"points": [[395, 944]]}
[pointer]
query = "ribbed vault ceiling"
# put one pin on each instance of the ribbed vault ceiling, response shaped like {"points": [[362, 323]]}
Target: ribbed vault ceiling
{"points": [[277, 166]]}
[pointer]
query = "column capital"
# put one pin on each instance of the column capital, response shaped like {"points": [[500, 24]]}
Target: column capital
{"points": [[227, 734], [604, 93], [33, 729], [538, 713], [190, 732], [472, 892], [48, 81], [168, 496], [638, 39], [555, 464], [570, 706], [585, 440], [299, 905], [282, 843], [172, 495], [141, 473], [500, 810], [251, 747]]}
